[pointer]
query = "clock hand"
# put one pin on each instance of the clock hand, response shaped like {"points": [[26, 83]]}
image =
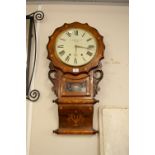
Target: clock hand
{"points": [[88, 48], [75, 51], [77, 46]]}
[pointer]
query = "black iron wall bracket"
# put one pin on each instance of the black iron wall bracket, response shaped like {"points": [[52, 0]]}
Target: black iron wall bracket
{"points": [[32, 95]]}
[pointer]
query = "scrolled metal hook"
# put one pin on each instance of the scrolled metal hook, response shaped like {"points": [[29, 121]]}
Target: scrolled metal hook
{"points": [[34, 95], [38, 15]]}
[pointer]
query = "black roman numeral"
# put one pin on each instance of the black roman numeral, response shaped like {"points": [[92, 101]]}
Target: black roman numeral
{"points": [[76, 32], [60, 46], [89, 53], [62, 52], [91, 46], [67, 58], [69, 34], [83, 57], [89, 39], [83, 34]]}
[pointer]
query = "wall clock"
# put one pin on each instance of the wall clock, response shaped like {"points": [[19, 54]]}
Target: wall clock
{"points": [[75, 51]]}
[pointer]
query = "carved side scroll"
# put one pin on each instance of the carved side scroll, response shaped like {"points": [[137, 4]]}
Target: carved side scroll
{"points": [[52, 74], [97, 77]]}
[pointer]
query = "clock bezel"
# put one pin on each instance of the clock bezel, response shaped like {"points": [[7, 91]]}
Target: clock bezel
{"points": [[57, 62], [67, 63]]}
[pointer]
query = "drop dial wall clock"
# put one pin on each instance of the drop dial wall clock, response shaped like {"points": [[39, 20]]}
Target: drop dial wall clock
{"points": [[75, 51]]}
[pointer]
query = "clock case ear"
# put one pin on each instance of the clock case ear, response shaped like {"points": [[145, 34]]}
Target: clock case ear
{"points": [[57, 63]]}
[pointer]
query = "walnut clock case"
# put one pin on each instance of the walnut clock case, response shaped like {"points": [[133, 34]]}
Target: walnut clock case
{"points": [[75, 51]]}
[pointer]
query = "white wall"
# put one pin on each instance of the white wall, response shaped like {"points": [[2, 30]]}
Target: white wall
{"points": [[112, 22]]}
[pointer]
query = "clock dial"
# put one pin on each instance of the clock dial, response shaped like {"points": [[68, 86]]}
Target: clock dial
{"points": [[75, 47]]}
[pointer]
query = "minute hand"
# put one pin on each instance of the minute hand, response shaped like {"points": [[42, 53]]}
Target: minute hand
{"points": [[77, 46]]}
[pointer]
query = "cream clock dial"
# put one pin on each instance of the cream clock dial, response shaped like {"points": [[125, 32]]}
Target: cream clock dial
{"points": [[75, 47]]}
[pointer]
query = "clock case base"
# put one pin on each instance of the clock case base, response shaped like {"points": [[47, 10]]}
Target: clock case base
{"points": [[75, 119], [76, 132]]}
